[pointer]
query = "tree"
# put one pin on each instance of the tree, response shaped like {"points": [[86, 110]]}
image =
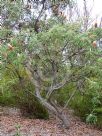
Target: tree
{"points": [[53, 57], [18, 14]]}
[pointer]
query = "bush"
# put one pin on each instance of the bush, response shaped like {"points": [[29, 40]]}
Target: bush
{"points": [[20, 93], [29, 104], [86, 105]]}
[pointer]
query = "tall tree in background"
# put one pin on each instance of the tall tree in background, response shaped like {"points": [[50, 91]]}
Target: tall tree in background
{"points": [[24, 13]]}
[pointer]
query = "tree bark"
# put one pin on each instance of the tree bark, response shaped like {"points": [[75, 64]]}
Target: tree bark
{"points": [[53, 109], [48, 104]]}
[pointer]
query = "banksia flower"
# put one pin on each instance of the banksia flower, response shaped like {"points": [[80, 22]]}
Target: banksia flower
{"points": [[94, 44], [10, 47]]}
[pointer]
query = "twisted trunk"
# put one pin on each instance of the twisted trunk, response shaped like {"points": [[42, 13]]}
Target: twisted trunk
{"points": [[47, 103], [53, 109]]}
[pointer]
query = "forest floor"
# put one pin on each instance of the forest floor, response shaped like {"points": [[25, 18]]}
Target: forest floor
{"points": [[51, 127]]}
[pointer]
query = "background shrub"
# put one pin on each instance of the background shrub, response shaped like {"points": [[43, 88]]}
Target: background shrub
{"points": [[15, 92]]}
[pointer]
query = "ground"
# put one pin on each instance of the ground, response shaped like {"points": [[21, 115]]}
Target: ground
{"points": [[51, 127]]}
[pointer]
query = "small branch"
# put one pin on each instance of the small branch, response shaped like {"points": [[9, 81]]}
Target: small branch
{"points": [[73, 93], [37, 20], [58, 86]]}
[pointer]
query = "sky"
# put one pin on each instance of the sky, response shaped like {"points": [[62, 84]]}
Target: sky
{"points": [[95, 6], [97, 9]]}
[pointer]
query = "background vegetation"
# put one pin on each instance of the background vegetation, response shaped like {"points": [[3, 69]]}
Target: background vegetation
{"points": [[72, 47]]}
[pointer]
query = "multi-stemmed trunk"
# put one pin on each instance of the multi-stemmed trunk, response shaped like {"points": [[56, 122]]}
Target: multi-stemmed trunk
{"points": [[53, 109]]}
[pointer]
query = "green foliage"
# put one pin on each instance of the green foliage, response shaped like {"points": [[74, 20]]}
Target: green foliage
{"points": [[4, 33], [18, 130], [13, 10], [91, 118], [30, 107], [15, 92], [64, 94], [88, 106], [40, 51]]}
